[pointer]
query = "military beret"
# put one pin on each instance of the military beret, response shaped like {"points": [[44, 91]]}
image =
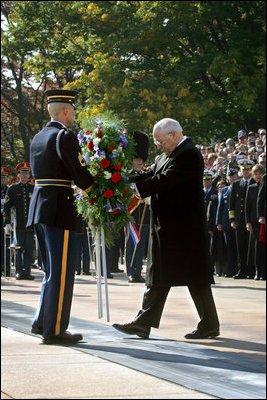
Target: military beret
{"points": [[245, 163], [61, 96], [142, 144], [5, 171], [207, 174], [25, 166]]}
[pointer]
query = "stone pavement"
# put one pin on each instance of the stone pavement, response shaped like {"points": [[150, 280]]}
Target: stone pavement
{"points": [[108, 364]]}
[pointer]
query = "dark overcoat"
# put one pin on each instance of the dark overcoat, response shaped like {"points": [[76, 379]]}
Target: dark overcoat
{"points": [[178, 242]]}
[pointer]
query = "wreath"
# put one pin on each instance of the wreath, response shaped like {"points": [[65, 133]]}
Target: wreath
{"points": [[108, 151]]}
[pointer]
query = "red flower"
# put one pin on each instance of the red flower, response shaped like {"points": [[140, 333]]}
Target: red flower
{"points": [[104, 163], [116, 177], [108, 193], [99, 133], [116, 212], [88, 132], [90, 146], [118, 166], [92, 201]]}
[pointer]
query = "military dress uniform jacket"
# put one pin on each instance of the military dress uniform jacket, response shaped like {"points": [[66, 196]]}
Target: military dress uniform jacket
{"points": [[178, 242], [18, 196], [222, 216], [261, 198], [237, 202], [53, 204], [251, 203]]}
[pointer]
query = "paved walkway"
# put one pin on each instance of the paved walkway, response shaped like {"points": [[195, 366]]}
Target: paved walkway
{"points": [[108, 364]]}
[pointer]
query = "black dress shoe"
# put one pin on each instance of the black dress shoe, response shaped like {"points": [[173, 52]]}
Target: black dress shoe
{"points": [[239, 276], [77, 272], [19, 276], [132, 328], [203, 335], [37, 330], [117, 270], [64, 338], [86, 273], [136, 279], [28, 277]]}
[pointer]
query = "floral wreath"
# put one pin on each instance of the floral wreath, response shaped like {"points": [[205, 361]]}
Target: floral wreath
{"points": [[108, 152]]}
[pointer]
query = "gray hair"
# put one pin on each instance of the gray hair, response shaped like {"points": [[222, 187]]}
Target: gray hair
{"points": [[167, 125]]}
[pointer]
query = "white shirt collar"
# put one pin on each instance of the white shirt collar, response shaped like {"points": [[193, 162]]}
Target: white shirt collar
{"points": [[185, 137]]}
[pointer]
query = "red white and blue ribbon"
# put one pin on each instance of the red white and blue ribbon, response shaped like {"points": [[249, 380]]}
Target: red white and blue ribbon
{"points": [[134, 233]]}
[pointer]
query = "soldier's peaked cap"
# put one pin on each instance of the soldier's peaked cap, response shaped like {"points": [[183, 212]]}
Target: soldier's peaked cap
{"points": [[61, 96], [5, 171], [142, 144], [24, 166]]}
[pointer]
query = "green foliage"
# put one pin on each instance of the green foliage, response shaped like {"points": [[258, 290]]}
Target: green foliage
{"points": [[108, 151], [202, 63]]}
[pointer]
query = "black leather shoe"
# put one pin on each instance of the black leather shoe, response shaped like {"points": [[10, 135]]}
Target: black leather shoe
{"points": [[136, 279], [203, 335], [86, 273], [28, 277], [19, 276], [116, 270], [239, 276], [37, 330], [64, 338], [132, 328]]}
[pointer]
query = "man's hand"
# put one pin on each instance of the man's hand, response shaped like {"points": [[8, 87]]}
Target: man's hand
{"points": [[233, 225], [249, 227], [219, 227], [262, 220]]}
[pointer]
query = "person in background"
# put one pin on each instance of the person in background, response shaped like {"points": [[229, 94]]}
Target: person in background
{"points": [[223, 224], [5, 254], [237, 215], [217, 241], [261, 214], [178, 240], [18, 196], [141, 214], [56, 162], [257, 249]]}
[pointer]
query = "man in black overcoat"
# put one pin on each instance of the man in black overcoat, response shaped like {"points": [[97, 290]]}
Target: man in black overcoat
{"points": [[178, 241]]}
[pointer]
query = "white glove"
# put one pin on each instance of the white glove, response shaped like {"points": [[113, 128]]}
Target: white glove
{"points": [[147, 200], [7, 229]]}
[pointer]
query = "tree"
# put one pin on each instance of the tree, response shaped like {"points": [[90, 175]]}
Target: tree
{"points": [[202, 63]]}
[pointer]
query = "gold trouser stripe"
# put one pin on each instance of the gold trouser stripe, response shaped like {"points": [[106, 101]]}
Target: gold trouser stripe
{"points": [[59, 95], [62, 280]]}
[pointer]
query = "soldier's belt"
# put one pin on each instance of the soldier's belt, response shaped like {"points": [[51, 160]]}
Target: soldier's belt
{"points": [[53, 182]]}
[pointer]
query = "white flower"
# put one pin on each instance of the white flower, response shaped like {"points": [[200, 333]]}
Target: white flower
{"points": [[96, 141], [87, 158], [107, 175]]}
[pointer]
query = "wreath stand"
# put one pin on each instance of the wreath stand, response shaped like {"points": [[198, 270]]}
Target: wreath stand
{"points": [[101, 262]]}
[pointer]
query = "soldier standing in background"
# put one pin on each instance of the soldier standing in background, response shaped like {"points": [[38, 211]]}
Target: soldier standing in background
{"points": [[237, 216], [5, 256], [18, 196]]}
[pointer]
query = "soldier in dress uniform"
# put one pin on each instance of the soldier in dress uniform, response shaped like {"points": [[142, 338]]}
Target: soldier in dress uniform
{"points": [[223, 224], [18, 196], [141, 214], [237, 215], [257, 249], [5, 173], [56, 161]]}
